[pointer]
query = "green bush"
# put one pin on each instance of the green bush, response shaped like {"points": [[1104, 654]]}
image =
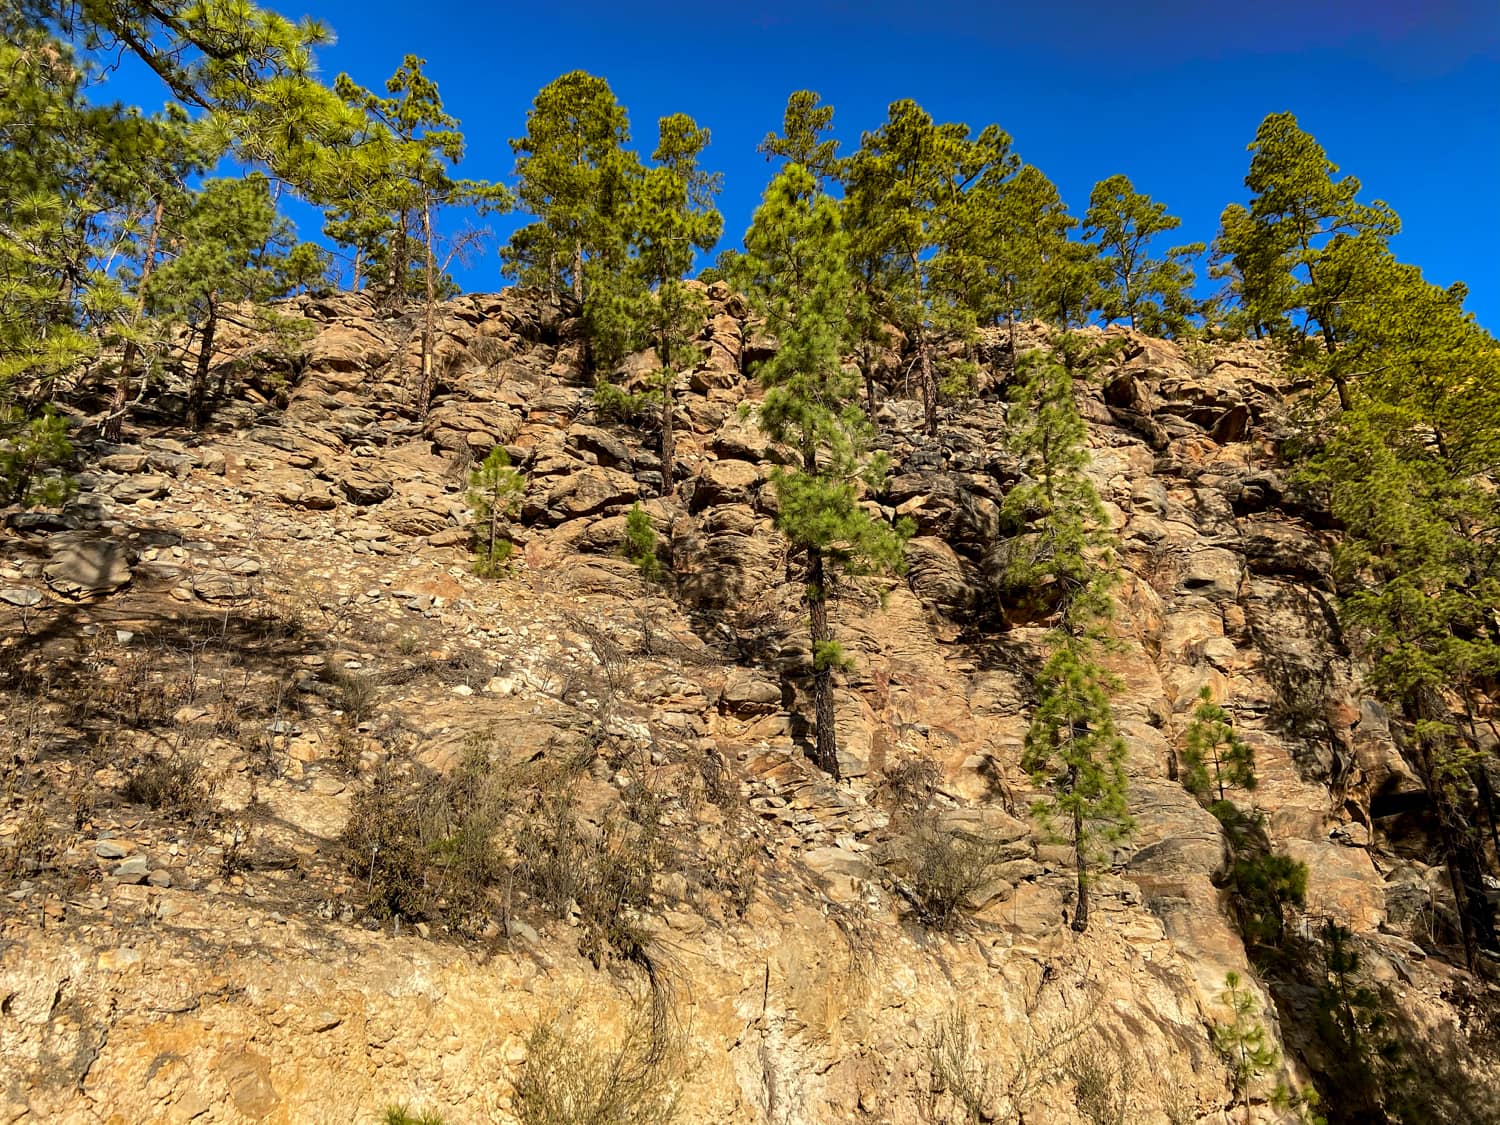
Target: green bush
{"points": [[400, 1115], [33, 452], [641, 543], [495, 492], [615, 404], [571, 1077]]}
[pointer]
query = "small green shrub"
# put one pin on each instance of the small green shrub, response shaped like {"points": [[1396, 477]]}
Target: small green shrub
{"points": [[640, 544], [615, 404], [1104, 1078], [33, 452], [400, 1115], [495, 492], [1243, 1042]]}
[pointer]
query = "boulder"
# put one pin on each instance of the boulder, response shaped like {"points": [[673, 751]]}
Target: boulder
{"points": [[83, 567], [365, 487], [748, 693], [607, 449], [1211, 572], [588, 491], [726, 482], [347, 347], [133, 489], [939, 577]]}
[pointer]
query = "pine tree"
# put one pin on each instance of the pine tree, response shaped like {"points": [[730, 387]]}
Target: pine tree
{"points": [[416, 152], [1277, 251], [641, 544], [803, 138], [574, 175], [1211, 743], [226, 246], [1151, 293], [795, 274], [904, 189], [495, 493], [1073, 749], [1244, 1042], [1023, 226], [644, 300], [1420, 581], [1352, 1023]]}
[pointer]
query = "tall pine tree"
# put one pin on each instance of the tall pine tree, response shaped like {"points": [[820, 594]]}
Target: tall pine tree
{"points": [[1073, 749], [574, 175], [795, 274]]}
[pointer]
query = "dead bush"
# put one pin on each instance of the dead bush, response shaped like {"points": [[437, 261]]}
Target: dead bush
{"points": [[1161, 567], [571, 1076], [941, 870], [136, 691], [33, 844], [604, 874], [911, 784], [353, 693], [174, 781], [968, 1087], [426, 848], [1104, 1080]]}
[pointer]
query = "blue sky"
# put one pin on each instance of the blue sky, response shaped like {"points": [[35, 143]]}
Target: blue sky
{"points": [[1404, 95]]}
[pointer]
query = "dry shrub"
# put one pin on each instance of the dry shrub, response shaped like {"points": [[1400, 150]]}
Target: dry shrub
{"points": [[605, 875], [457, 849], [941, 869], [572, 1076], [175, 781], [426, 848], [135, 691], [1104, 1081], [968, 1087], [353, 693], [911, 784], [963, 1085], [1161, 567], [33, 845]]}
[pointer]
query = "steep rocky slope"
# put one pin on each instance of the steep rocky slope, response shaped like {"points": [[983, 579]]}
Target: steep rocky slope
{"points": [[228, 644]]}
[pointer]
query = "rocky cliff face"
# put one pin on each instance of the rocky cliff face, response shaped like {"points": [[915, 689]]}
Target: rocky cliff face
{"points": [[226, 646]]}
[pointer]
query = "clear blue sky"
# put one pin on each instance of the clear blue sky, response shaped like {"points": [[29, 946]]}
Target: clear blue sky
{"points": [[1405, 95]]}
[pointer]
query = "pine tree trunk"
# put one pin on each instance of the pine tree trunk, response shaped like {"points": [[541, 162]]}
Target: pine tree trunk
{"points": [[578, 272], [114, 423], [924, 357], [429, 317], [668, 439], [929, 383], [826, 748], [400, 256], [359, 261], [1081, 915], [867, 369], [1010, 317], [197, 412], [494, 527], [1476, 915]]}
